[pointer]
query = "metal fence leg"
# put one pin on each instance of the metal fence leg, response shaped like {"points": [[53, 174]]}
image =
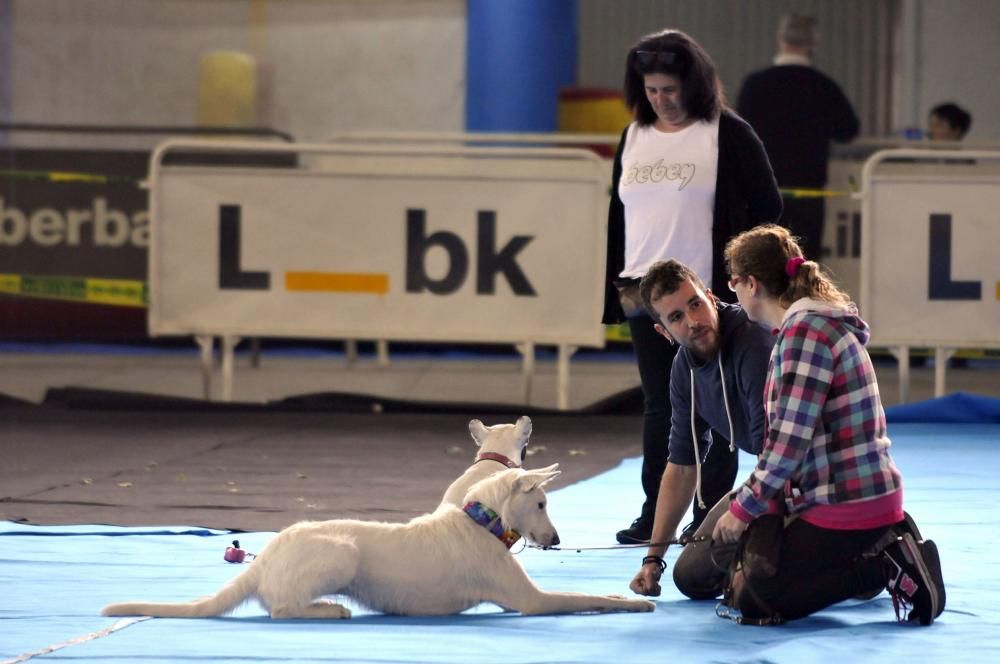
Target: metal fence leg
{"points": [[562, 387], [228, 346], [527, 351], [902, 355], [941, 357], [205, 343], [255, 347]]}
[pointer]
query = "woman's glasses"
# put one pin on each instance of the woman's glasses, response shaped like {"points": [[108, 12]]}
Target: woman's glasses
{"points": [[733, 280], [650, 58]]}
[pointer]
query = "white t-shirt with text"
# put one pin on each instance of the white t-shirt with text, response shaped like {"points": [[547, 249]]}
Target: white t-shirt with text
{"points": [[668, 190]]}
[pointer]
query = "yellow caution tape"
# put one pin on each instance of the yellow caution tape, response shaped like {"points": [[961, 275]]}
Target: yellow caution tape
{"points": [[67, 176], [812, 193], [117, 292]]}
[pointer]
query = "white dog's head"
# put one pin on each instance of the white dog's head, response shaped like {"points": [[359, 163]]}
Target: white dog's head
{"points": [[509, 440], [518, 497]]}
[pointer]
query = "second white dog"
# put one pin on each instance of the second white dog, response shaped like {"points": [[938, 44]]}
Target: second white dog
{"points": [[500, 446], [436, 564]]}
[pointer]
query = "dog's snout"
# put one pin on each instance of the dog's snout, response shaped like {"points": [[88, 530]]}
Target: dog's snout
{"points": [[546, 540]]}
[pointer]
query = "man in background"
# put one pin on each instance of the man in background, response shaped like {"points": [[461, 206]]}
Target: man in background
{"points": [[948, 122], [797, 110]]}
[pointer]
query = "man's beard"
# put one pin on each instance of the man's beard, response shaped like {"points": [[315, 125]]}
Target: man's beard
{"points": [[698, 345]]}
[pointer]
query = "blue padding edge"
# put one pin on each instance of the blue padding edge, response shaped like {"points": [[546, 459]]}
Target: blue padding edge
{"points": [[959, 407], [21, 529]]}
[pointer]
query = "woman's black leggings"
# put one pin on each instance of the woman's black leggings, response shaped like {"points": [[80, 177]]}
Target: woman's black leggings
{"points": [[818, 567]]}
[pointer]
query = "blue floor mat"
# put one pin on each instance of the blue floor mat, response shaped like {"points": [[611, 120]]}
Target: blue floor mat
{"points": [[953, 408], [55, 580]]}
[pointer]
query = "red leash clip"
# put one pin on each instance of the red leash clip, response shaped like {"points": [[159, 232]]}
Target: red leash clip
{"points": [[234, 554]]}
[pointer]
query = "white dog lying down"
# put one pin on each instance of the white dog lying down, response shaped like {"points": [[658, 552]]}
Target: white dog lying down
{"points": [[437, 564], [500, 446]]}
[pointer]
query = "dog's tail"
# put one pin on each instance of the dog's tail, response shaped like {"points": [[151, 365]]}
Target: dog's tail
{"points": [[230, 597]]}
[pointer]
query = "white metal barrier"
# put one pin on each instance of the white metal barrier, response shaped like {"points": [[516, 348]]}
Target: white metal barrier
{"points": [[479, 139], [929, 271], [365, 240], [842, 228]]}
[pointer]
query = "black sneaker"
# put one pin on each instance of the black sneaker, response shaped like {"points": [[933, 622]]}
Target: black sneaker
{"points": [[638, 533], [907, 525], [914, 579], [932, 560], [687, 533]]}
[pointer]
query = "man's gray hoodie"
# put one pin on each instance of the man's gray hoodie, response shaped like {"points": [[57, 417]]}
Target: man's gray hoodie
{"points": [[726, 392]]}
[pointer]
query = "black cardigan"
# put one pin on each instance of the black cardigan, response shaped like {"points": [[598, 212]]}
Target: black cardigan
{"points": [[746, 195]]}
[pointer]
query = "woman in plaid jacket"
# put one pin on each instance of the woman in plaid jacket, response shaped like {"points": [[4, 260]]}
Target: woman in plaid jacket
{"points": [[825, 465]]}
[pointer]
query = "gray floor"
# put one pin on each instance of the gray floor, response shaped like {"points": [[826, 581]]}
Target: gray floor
{"points": [[264, 470], [146, 462]]}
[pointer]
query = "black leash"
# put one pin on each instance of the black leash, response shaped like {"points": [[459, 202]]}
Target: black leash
{"points": [[671, 541]]}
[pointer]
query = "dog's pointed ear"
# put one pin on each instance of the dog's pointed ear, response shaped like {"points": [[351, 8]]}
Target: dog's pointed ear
{"points": [[523, 432], [549, 473], [533, 479], [523, 427], [478, 431]]}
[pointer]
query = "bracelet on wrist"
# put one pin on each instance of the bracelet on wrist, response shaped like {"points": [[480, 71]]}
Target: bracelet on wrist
{"points": [[655, 559]]}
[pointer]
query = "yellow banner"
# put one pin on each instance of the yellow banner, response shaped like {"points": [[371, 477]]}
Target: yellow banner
{"points": [[812, 193], [117, 292], [67, 176]]}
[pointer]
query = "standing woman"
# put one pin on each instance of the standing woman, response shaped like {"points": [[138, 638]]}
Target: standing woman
{"points": [[825, 466], [688, 175]]}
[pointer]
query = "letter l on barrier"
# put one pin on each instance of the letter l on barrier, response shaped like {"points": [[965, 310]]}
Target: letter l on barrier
{"points": [[939, 283], [231, 274]]}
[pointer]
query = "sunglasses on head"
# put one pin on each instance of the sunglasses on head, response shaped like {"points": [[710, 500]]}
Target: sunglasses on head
{"points": [[650, 58]]}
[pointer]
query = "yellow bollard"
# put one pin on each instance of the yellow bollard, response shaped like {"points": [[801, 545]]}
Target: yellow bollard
{"points": [[227, 89]]}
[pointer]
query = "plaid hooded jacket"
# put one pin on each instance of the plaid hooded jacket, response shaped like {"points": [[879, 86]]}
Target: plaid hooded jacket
{"points": [[826, 448]]}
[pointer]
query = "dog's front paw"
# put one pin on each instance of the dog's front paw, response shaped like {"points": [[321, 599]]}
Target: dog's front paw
{"points": [[644, 605], [635, 605]]}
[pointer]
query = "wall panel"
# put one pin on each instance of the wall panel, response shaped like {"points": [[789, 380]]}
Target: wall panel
{"points": [[855, 42]]}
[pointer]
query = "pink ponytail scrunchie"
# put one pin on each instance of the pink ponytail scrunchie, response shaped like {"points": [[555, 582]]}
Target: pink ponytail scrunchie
{"points": [[792, 266]]}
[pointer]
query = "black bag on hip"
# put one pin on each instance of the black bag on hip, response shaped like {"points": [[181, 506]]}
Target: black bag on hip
{"points": [[628, 296]]}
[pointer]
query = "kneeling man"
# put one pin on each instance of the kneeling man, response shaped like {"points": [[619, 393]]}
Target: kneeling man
{"points": [[716, 382]]}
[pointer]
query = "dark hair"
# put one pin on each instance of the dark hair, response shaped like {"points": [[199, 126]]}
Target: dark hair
{"points": [[701, 90], [764, 253], [664, 278], [954, 115]]}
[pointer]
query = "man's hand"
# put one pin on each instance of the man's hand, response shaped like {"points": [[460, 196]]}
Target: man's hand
{"points": [[728, 529], [647, 580]]}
